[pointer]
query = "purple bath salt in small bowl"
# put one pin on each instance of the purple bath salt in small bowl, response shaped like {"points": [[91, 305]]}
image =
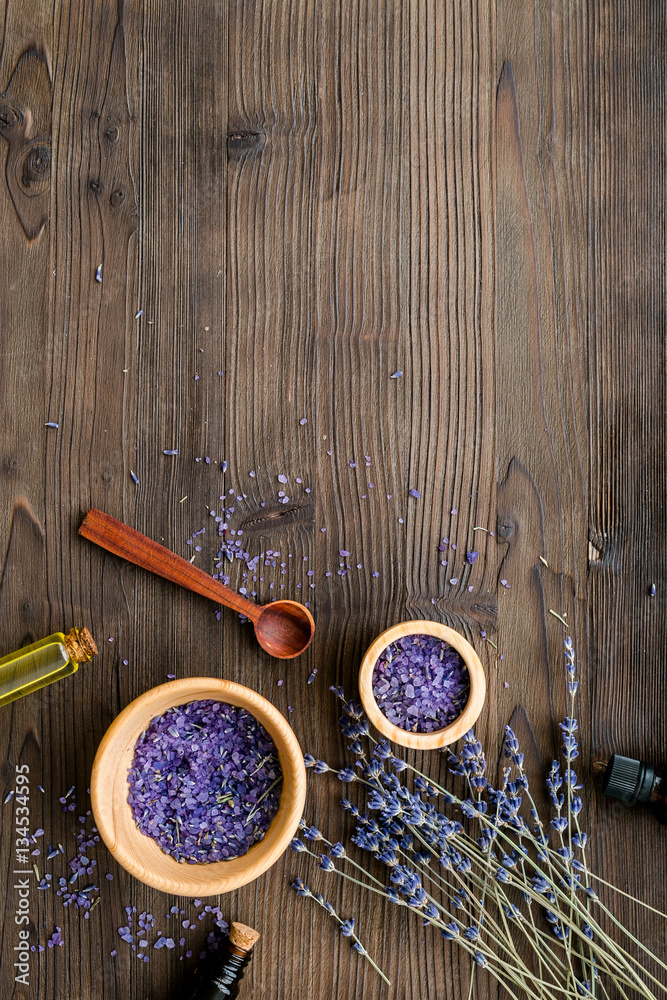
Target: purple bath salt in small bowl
{"points": [[205, 781], [420, 683]]}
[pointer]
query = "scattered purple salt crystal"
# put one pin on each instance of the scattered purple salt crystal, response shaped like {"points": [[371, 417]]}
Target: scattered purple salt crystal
{"points": [[454, 580], [134, 476], [453, 511], [420, 683], [223, 466], [344, 553], [304, 420], [140, 313], [113, 952], [505, 584], [282, 478], [51, 423], [375, 573], [472, 557], [397, 374], [415, 493], [212, 811], [98, 274], [170, 451], [652, 590]]}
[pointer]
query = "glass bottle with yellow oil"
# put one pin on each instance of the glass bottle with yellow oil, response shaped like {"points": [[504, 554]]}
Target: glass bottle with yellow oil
{"points": [[43, 662]]}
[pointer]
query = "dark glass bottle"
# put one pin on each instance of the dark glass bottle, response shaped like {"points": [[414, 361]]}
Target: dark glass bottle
{"points": [[221, 977], [635, 781]]}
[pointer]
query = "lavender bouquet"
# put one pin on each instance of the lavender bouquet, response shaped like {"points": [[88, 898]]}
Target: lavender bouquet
{"points": [[518, 896]]}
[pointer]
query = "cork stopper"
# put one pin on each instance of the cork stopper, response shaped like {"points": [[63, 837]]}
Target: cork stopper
{"points": [[80, 645], [243, 937]]}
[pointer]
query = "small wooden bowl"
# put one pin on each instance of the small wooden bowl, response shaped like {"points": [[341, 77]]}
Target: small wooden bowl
{"points": [[139, 854], [461, 724]]}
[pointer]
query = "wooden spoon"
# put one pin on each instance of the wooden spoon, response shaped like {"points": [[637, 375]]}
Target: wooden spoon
{"points": [[283, 628]]}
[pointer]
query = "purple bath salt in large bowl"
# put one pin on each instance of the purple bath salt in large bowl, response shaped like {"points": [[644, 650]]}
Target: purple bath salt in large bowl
{"points": [[422, 684], [198, 786]]}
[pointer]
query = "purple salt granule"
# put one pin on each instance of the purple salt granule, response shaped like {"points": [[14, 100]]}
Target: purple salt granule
{"points": [[420, 683], [203, 782]]}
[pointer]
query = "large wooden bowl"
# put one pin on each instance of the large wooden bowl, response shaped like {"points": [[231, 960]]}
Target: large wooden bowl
{"points": [[461, 724], [140, 854]]}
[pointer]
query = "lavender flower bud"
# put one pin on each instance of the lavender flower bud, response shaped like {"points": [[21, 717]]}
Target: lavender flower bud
{"points": [[320, 767], [297, 845], [337, 850], [398, 764], [326, 864], [359, 948], [299, 887], [309, 760], [450, 931], [347, 774], [347, 927], [480, 959], [312, 833], [559, 823], [382, 749]]}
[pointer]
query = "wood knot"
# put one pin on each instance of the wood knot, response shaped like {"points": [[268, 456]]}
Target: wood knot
{"points": [[505, 528], [111, 133], [242, 141], [117, 198], [10, 115], [95, 184], [35, 168]]}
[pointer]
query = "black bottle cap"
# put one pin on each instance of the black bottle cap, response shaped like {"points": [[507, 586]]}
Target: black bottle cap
{"points": [[628, 780]]}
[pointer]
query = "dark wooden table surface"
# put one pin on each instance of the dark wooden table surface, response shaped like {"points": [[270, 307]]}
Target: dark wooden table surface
{"points": [[289, 202]]}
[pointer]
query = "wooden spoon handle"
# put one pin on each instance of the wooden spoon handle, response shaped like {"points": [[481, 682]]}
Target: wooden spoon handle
{"points": [[123, 541]]}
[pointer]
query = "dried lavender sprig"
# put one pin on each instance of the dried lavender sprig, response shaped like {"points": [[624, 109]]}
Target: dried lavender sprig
{"points": [[505, 943], [347, 926], [337, 851], [531, 860]]}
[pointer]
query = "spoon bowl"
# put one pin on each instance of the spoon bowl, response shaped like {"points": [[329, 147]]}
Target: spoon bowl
{"points": [[284, 628]]}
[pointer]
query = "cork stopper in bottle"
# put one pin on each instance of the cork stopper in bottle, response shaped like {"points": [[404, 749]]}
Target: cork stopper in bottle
{"points": [[242, 937], [80, 645]]}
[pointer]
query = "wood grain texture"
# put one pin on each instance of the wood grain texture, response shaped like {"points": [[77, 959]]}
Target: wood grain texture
{"points": [[288, 202]]}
